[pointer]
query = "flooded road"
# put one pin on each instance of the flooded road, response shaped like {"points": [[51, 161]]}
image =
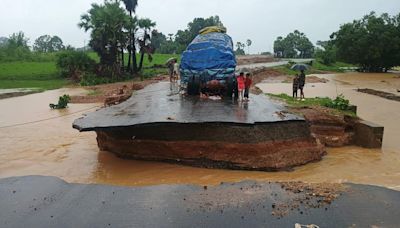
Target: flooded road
{"points": [[35, 140]]}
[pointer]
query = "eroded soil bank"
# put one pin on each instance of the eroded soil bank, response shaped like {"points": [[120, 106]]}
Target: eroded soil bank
{"points": [[158, 125], [52, 147]]}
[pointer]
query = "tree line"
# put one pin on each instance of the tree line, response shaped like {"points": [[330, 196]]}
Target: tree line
{"points": [[177, 43], [294, 45], [16, 48], [372, 43]]}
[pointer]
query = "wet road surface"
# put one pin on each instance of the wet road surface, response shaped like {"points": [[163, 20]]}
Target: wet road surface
{"points": [[50, 202], [158, 104]]}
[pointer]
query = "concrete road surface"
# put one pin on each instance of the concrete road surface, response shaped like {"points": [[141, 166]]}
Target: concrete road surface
{"points": [[37, 201]]}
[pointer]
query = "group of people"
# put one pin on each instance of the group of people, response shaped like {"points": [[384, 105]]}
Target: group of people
{"points": [[244, 83], [298, 84]]}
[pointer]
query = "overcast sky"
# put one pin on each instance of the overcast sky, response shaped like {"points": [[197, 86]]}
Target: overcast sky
{"points": [[259, 20]]}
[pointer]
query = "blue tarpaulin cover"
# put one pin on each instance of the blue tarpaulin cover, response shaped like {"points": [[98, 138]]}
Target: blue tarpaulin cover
{"points": [[211, 56]]}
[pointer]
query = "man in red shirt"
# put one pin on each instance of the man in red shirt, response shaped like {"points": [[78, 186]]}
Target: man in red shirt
{"points": [[247, 84]]}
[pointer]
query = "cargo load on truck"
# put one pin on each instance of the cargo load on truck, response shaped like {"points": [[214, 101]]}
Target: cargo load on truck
{"points": [[208, 64]]}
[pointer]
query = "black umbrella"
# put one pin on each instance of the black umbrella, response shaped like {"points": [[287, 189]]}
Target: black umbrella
{"points": [[170, 60], [300, 67]]}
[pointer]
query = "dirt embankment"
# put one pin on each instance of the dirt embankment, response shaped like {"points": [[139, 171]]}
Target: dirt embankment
{"points": [[251, 59], [114, 93], [16, 94], [273, 155], [386, 95], [331, 129]]}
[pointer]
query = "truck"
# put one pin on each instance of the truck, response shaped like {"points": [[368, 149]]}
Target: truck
{"points": [[208, 65]]}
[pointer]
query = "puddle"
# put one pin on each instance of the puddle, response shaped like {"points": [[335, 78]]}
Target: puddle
{"points": [[52, 148]]}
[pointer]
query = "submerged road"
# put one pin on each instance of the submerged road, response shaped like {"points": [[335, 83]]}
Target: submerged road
{"points": [[36, 201]]}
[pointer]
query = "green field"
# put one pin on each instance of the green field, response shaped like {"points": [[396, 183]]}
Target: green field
{"points": [[316, 68], [158, 59], [44, 75], [331, 68]]}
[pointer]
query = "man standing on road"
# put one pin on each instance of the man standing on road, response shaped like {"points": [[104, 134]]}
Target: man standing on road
{"points": [[247, 85], [302, 82], [170, 66]]}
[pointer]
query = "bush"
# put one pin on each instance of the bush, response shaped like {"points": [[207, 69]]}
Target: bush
{"points": [[74, 64], [62, 102], [8, 54], [340, 103], [327, 57], [90, 79]]}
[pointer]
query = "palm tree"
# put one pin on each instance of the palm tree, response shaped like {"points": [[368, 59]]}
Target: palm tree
{"points": [[249, 43], [107, 24], [145, 45], [131, 6]]}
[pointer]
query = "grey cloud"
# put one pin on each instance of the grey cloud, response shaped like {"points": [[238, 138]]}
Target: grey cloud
{"points": [[260, 20]]}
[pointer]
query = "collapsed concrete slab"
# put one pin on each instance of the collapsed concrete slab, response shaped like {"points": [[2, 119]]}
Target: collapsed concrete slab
{"points": [[159, 124], [369, 135]]}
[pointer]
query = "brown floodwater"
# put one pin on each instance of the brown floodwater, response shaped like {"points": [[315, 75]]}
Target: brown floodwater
{"points": [[35, 140]]}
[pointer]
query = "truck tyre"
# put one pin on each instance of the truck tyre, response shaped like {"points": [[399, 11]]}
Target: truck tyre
{"points": [[235, 90], [193, 87], [230, 88]]}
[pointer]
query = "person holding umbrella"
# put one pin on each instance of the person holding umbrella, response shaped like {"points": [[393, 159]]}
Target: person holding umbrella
{"points": [[302, 82], [302, 78]]}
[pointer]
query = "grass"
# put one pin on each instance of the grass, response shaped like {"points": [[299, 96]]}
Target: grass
{"points": [[297, 103], [41, 75], [45, 76], [158, 59], [316, 68], [28, 70], [309, 102], [331, 68]]}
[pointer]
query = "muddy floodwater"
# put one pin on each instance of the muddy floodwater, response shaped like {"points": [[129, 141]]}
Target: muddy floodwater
{"points": [[35, 140]]}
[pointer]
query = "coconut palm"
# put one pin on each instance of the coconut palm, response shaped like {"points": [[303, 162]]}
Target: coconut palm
{"points": [[131, 6], [108, 24], [145, 43], [249, 43]]}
